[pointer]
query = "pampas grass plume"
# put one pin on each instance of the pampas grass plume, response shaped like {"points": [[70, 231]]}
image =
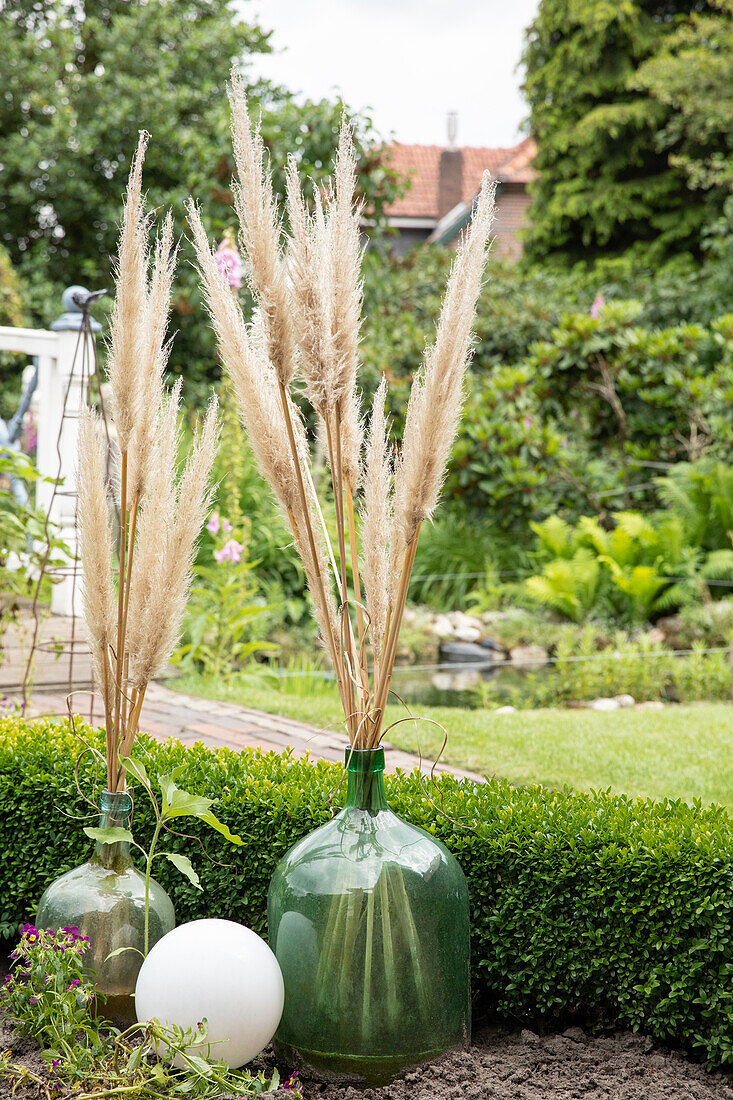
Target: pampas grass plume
{"points": [[436, 397], [256, 209], [126, 331], [95, 546], [377, 519], [323, 300]]}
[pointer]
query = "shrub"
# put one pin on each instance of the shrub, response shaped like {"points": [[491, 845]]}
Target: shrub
{"points": [[505, 461], [611, 909], [644, 566], [637, 394], [710, 623]]}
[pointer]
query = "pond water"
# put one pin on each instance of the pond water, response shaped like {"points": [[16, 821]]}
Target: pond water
{"points": [[464, 685], [470, 685]]}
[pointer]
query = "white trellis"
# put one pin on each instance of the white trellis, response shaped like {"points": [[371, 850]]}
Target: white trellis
{"points": [[60, 394]]}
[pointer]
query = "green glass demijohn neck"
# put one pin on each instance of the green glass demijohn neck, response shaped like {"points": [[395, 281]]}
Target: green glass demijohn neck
{"points": [[115, 812], [365, 775]]}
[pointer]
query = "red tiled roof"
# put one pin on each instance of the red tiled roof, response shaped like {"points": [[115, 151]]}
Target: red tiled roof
{"points": [[421, 164], [518, 169]]}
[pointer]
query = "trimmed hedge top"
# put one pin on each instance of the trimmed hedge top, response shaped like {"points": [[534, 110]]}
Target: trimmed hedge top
{"points": [[594, 906]]}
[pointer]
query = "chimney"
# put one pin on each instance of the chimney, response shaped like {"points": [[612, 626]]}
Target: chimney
{"points": [[450, 180], [452, 128], [450, 177]]}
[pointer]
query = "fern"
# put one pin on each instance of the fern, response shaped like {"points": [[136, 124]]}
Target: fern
{"points": [[718, 566], [590, 533], [555, 536], [568, 586], [701, 495]]}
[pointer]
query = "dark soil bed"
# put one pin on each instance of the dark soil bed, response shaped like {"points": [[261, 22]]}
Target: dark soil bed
{"points": [[504, 1065], [516, 1065]]}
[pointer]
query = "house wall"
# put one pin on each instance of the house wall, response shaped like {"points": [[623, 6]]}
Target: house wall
{"points": [[404, 239], [512, 203]]}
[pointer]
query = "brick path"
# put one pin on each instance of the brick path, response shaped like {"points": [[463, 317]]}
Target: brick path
{"points": [[169, 713]]}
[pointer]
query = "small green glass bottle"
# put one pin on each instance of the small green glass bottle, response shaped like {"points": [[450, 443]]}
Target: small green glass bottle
{"points": [[105, 900], [368, 917]]}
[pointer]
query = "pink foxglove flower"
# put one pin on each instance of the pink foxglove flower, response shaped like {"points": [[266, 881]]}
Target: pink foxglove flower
{"points": [[228, 261], [230, 551], [598, 303], [213, 524]]}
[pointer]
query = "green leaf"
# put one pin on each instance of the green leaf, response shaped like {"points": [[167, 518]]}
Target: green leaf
{"points": [[183, 864], [110, 836], [220, 827], [119, 950], [135, 1059], [199, 1064], [168, 786], [136, 769], [184, 804]]}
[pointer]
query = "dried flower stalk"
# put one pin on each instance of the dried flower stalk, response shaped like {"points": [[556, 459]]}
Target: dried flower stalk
{"points": [[260, 232], [132, 634], [377, 516], [309, 323]]}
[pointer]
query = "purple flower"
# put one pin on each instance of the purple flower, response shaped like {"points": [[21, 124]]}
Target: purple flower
{"points": [[213, 524], [54, 1063], [29, 930], [76, 981], [598, 303], [231, 551], [30, 434], [226, 526], [228, 261], [527, 421], [34, 1000]]}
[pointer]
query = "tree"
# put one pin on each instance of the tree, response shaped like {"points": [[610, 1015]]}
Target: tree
{"points": [[608, 178], [80, 79], [692, 75]]}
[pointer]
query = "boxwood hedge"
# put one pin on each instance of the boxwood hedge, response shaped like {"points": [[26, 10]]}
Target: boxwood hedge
{"points": [[595, 907]]}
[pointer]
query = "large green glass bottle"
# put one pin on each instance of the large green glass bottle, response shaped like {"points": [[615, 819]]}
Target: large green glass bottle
{"points": [[368, 918], [105, 900]]}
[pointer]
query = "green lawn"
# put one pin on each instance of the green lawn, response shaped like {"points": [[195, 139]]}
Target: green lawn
{"points": [[681, 751]]}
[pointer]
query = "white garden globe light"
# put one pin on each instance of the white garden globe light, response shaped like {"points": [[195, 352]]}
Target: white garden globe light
{"points": [[219, 971]]}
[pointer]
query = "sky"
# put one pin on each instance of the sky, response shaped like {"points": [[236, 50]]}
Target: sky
{"points": [[405, 62]]}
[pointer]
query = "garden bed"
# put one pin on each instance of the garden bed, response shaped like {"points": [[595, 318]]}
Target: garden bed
{"points": [[522, 1066], [500, 1065]]}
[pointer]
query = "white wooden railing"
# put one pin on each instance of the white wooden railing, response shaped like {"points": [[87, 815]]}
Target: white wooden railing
{"points": [[60, 395]]}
